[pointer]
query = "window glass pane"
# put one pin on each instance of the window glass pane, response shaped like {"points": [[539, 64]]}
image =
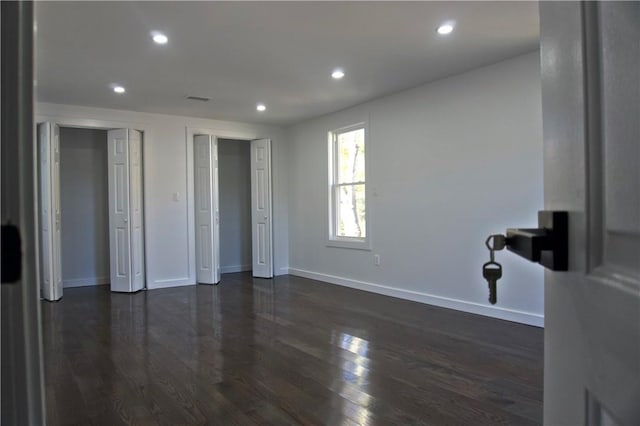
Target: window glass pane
{"points": [[351, 220], [350, 153]]}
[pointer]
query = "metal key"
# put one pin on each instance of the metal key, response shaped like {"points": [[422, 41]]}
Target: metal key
{"points": [[492, 272]]}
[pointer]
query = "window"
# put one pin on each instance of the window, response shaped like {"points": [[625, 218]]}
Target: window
{"points": [[347, 182]]}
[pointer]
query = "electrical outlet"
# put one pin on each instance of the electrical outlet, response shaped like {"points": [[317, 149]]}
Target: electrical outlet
{"points": [[376, 259]]}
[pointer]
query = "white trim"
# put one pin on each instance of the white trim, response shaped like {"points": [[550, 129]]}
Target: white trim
{"points": [[350, 243], [174, 282], [234, 268], [84, 282], [190, 132], [332, 239], [99, 124], [282, 271], [430, 299]]}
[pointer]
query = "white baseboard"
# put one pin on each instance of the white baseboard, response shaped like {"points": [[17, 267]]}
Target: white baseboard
{"points": [[235, 268], [282, 271], [85, 282], [430, 299], [175, 282]]}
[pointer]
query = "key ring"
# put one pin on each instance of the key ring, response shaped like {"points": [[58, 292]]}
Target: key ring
{"points": [[486, 243], [491, 250]]}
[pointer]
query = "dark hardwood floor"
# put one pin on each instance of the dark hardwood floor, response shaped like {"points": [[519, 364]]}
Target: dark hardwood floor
{"points": [[283, 351]]}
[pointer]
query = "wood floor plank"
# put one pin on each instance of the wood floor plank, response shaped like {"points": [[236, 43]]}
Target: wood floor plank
{"points": [[284, 351]]}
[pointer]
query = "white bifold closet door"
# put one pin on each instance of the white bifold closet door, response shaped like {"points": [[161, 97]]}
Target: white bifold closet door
{"points": [[126, 239], [49, 215], [207, 214], [261, 222]]}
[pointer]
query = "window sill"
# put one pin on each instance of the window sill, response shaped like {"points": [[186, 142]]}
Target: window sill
{"points": [[350, 244]]}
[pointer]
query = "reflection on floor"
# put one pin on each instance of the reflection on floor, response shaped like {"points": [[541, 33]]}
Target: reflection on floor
{"points": [[283, 351]]}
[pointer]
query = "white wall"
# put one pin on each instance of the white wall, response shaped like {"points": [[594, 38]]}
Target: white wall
{"points": [[168, 171], [84, 202], [449, 163], [234, 187]]}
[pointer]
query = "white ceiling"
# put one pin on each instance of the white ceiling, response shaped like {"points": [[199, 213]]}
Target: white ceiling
{"points": [[279, 53]]}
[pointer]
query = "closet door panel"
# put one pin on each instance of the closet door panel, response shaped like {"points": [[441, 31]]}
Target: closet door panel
{"points": [[49, 217], [119, 211], [205, 212], [261, 221], [136, 211]]}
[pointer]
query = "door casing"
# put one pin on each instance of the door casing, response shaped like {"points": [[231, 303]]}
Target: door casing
{"points": [[190, 134], [97, 125]]}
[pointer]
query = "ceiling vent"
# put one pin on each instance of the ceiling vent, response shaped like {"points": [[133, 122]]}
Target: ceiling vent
{"points": [[198, 98]]}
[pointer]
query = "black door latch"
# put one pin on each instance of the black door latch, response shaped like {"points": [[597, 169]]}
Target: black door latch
{"points": [[547, 245], [11, 254]]}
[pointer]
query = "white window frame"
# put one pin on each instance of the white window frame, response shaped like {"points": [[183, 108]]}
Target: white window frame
{"points": [[334, 240]]}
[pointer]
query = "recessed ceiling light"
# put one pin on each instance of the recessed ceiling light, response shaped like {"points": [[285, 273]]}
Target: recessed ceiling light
{"points": [[261, 107], [446, 28], [337, 74], [118, 89], [159, 38]]}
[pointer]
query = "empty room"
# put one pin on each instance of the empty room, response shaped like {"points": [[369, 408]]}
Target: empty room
{"points": [[325, 213]]}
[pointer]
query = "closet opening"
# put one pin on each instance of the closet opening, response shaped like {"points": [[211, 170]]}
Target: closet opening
{"points": [[90, 201], [234, 171], [84, 207], [232, 206]]}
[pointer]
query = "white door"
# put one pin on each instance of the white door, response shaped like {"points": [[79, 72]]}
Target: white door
{"points": [[216, 209], [49, 217], [261, 208], [126, 248], [591, 113], [136, 210], [23, 401], [205, 151]]}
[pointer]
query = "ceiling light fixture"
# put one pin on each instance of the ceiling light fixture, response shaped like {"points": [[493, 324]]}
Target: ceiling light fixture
{"points": [[261, 107], [118, 89], [159, 38], [337, 74], [446, 28]]}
